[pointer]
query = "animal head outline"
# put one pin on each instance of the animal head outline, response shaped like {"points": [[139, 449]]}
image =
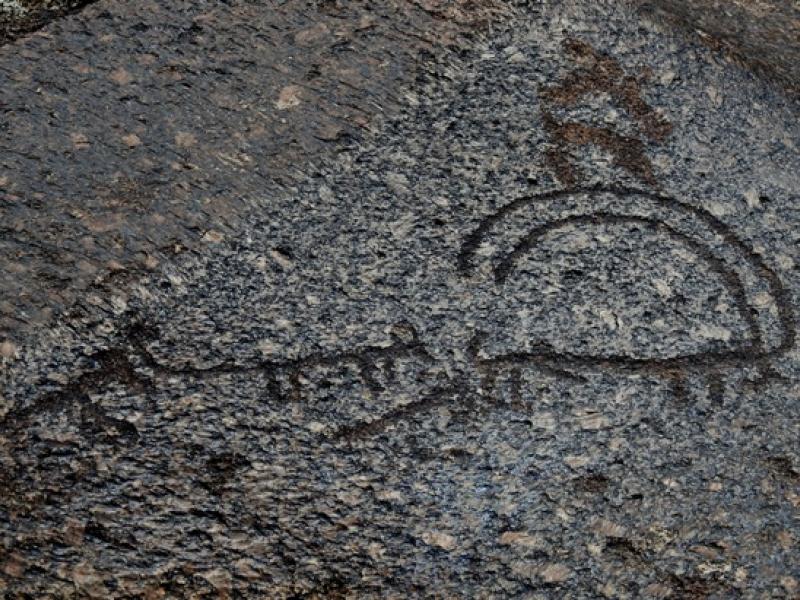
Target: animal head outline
{"points": [[692, 226]]}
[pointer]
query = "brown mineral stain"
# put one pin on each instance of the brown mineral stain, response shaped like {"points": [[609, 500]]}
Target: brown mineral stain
{"points": [[597, 73], [131, 140], [79, 141], [14, 566], [121, 76], [440, 539], [289, 97], [555, 573], [520, 538], [8, 350], [185, 139]]}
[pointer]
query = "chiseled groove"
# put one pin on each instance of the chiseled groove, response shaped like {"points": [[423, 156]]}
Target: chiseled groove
{"points": [[777, 290]]}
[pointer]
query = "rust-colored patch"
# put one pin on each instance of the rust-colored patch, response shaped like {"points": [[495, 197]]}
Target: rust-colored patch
{"points": [[600, 74], [628, 151]]}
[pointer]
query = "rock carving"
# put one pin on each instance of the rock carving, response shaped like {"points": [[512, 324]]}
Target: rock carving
{"points": [[771, 326], [706, 235], [600, 74]]}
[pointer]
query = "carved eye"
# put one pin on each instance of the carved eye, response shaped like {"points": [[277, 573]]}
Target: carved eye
{"points": [[625, 280]]}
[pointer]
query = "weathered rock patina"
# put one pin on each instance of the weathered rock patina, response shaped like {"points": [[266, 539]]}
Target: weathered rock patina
{"points": [[534, 336], [135, 130]]}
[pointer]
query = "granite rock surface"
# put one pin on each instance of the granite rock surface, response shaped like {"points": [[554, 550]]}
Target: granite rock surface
{"points": [[763, 35], [535, 337], [134, 131]]}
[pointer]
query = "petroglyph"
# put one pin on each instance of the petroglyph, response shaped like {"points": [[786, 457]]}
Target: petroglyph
{"points": [[286, 381], [600, 74], [744, 273], [512, 233]]}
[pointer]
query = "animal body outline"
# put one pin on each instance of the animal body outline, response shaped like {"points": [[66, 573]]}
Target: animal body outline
{"points": [[283, 377], [753, 352]]}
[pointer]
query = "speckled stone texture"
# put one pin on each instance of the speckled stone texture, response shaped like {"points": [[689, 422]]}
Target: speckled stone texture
{"points": [[18, 17], [135, 130], [536, 338], [764, 35]]}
